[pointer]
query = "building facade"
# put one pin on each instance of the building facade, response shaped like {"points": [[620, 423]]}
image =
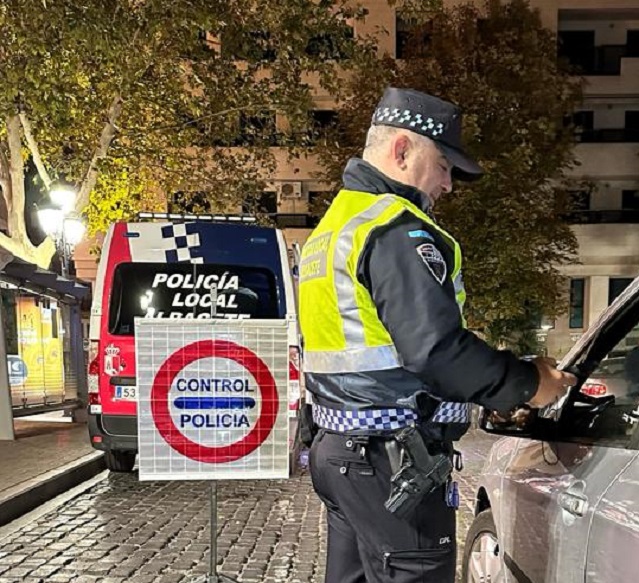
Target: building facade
{"points": [[602, 37]]}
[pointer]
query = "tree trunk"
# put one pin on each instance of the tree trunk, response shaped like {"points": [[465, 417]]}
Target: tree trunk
{"points": [[12, 182]]}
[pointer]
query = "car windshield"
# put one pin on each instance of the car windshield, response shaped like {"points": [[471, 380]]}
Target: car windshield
{"points": [[183, 290]]}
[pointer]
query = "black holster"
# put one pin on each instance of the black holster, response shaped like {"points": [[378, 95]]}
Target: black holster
{"points": [[416, 471]]}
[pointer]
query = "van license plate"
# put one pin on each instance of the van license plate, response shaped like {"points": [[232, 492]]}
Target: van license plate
{"points": [[126, 393]]}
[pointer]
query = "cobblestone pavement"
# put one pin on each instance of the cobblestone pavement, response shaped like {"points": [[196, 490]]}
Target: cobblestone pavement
{"points": [[122, 530]]}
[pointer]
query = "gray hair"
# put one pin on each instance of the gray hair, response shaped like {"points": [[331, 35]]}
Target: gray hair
{"points": [[379, 135]]}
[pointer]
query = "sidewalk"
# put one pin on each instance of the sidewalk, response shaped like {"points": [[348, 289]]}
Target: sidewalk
{"points": [[46, 459]]}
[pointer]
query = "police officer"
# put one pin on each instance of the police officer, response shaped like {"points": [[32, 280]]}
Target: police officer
{"points": [[381, 296]]}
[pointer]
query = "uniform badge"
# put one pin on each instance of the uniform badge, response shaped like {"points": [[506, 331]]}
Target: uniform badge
{"points": [[434, 260]]}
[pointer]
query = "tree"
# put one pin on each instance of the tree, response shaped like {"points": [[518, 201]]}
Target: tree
{"points": [[134, 100], [499, 64]]}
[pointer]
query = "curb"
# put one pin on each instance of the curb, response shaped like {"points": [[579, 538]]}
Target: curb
{"points": [[26, 496]]}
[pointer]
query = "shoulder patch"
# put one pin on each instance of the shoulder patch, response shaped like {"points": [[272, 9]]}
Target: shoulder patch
{"points": [[420, 234], [434, 260]]}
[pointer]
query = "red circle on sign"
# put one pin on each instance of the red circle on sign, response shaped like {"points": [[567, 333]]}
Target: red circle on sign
{"points": [[219, 349]]}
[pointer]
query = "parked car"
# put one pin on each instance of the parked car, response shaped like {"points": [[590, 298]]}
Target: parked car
{"points": [[558, 500]]}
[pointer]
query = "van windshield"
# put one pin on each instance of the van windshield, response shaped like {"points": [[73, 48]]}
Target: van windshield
{"points": [[183, 290]]}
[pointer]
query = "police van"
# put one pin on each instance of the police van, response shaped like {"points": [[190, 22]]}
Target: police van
{"points": [[176, 266]]}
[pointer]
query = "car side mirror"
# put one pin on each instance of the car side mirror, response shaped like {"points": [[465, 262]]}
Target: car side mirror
{"points": [[521, 421], [515, 422]]}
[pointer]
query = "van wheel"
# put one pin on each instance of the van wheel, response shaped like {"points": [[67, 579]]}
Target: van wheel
{"points": [[482, 561], [119, 461]]}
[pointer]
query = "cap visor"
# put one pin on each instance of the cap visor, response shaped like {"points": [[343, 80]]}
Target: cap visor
{"points": [[464, 167]]}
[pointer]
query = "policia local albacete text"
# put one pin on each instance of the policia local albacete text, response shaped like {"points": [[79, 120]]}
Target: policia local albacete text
{"points": [[193, 291]]}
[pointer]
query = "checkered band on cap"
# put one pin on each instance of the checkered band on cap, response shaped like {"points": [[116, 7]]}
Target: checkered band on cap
{"points": [[452, 413], [413, 121], [179, 243], [371, 419]]}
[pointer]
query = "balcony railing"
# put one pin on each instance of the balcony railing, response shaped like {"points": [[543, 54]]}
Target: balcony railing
{"points": [[300, 221], [602, 60], [608, 135], [618, 216]]}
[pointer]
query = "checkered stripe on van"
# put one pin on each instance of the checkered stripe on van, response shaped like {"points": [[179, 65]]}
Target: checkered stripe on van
{"points": [[179, 242]]}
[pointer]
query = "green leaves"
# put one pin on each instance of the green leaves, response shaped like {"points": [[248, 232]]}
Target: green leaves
{"points": [[63, 64]]}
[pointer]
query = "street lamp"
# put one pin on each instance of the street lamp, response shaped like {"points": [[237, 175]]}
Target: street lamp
{"points": [[58, 221], [62, 196]]}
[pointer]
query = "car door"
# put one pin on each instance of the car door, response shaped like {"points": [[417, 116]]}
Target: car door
{"points": [[614, 535], [553, 488]]}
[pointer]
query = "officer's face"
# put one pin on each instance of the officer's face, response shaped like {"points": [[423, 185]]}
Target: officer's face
{"points": [[431, 170]]}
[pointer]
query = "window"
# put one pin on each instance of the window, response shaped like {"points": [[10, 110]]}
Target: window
{"points": [[583, 122], [322, 121], [190, 202], [266, 203], [608, 60], [630, 199], [578, 48], [244, 129], [318, 202], [632, 43], [258, 128], [632, 126], [605, 411], [616, 285], [408, 33], [331, 47], [576, 318], [248, 45], [579, 200], [292, 221]]}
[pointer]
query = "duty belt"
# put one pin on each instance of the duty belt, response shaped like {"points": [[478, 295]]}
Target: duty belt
{"points": [[342, 421]]}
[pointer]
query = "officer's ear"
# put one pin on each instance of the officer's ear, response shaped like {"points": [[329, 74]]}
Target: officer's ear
{"points": [[401, 146]]}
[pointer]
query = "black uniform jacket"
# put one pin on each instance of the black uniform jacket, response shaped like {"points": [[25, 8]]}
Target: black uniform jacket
{"points": [[406, 267]]}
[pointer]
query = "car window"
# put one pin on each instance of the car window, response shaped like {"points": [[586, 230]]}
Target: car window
{"points": [[605, 410]]}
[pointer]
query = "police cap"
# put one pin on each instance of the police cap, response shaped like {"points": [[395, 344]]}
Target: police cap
{"points": [[429, 116]]}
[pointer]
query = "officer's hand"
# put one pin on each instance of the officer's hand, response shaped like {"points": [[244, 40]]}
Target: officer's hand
{"points": [[552, 382]]}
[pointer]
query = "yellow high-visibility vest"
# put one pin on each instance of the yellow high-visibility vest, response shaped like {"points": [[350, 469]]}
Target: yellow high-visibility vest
{"points": [[339, 322]]}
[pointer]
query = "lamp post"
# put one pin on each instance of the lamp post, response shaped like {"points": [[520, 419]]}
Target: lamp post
{"points": [[58, 221]]}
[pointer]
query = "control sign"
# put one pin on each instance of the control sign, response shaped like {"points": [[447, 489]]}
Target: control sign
{"points": [[212, 399]]}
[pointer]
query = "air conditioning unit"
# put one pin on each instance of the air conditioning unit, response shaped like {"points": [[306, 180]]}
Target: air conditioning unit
{"points": [[289, 190]]}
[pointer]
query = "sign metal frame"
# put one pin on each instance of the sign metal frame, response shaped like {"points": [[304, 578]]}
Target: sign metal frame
{"points": [[213, 339]]}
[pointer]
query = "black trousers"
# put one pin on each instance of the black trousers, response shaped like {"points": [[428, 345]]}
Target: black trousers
{"points": [[366, 543]]}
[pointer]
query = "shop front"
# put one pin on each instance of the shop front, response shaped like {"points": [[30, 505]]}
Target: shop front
{"points": [[41, 321]]}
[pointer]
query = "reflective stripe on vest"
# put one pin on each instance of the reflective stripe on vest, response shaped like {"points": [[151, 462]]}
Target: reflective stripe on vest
{"points": [[342, 331]]}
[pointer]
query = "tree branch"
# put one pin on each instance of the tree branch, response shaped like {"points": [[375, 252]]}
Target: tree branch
{"points": [[106, 138], [40, 255], [5, 183], [16, 172], [10, 245], [35, 151]]}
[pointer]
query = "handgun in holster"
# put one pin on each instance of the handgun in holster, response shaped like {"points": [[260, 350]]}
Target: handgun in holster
{"points": [[419, 472]]}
